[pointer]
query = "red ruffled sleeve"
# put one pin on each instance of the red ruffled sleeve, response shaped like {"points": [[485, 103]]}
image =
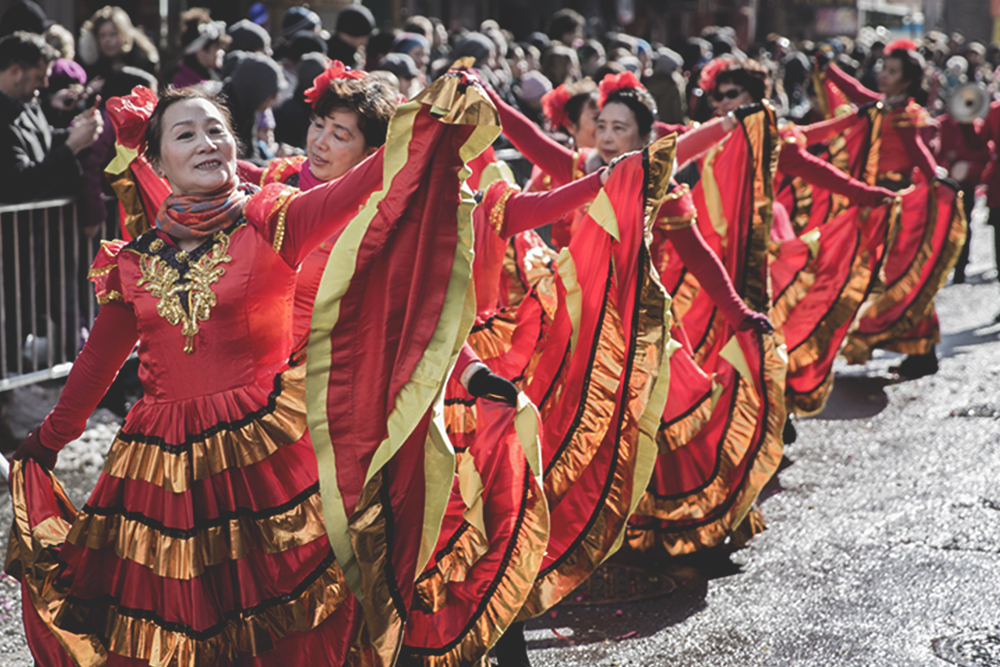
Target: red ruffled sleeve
{"points": [[104, 272]]}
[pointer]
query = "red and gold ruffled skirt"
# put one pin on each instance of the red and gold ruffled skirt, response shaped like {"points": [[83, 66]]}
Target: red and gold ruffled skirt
{"points": [[202, 543]]}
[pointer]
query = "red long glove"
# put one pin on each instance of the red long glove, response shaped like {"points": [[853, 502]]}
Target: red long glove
{"points": [[529, 210], [111, 341], [540, 149], [795, 160], [706, 267]]}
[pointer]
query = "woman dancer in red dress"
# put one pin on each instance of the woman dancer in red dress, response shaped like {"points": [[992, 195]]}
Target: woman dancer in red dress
{"points": [[204, 540]]}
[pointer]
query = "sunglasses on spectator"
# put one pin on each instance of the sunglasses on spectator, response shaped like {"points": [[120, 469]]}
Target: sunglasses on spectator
{"points": [[732, 94]]}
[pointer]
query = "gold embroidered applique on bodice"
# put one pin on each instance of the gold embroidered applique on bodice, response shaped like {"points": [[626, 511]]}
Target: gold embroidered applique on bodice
{"points": [[188, 301]]}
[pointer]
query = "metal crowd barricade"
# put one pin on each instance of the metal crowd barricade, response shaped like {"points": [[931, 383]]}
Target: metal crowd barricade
{"points": [[47, 305]]}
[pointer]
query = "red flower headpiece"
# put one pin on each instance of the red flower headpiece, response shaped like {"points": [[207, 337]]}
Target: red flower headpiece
{"points": [[907, 44], [612, 83], [554, 106], [336, 70], [706, 81], [130, 116]]}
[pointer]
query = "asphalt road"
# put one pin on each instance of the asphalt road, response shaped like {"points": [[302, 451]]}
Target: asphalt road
{"points": [[883, 545]]}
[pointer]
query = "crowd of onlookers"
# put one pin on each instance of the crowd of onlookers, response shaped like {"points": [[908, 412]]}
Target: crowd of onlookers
{"points": [[54, 81]]}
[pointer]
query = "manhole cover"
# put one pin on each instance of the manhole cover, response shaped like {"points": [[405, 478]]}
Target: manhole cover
{"points": [[975, 648], [618, 583]]}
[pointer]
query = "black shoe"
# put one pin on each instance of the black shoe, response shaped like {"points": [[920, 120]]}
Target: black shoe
{"points": [[959, 279], [788, 434], [511, 649], [916, 366], [996, 319]]}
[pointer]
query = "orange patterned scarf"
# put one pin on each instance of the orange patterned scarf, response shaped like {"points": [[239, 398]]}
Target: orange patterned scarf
{"points": [[198, 216]]}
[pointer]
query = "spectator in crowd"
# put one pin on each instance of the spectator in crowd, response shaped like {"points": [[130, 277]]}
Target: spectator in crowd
{"points": [[529, 93], [61, 39], [65, 95], [566, 26], [591, 55], [300, 19], [291, 117], [420, 25], [410, 79], [560, 65], [204, 48], [667, 85], [379, 46], [251, 91], [27, 16], [414, 45], [250, 37], [355, 25], [36, 160], [301, 43], [109, 41]]}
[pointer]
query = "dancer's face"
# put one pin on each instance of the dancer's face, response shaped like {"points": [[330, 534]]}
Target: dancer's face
{"points": [[197, 150], [617, 131], [890, 78], [584, 132], [335, 144], [733, 97]]}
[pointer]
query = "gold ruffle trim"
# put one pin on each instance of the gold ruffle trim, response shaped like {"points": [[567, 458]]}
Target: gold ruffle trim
{"points": [[505, 603], [187, 558], [859, 346], [737, 440], [606, 533], [146, 640], [679, 432], [237, 448], [810, 403]]}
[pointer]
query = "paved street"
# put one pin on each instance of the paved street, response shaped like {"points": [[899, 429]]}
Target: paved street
{"points": [[883, 547]]}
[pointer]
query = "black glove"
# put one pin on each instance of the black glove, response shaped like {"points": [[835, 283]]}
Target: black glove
{"points": [[485, 384], [863, 109], [32, 448], [757, 322], [950, 182], [748, 110]]}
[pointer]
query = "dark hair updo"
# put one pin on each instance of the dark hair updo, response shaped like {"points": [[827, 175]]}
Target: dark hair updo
{"points": [[749, 75], [640, 102], [913, 69]]}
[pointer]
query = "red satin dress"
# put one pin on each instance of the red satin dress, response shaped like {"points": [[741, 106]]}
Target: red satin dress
{"points": [[931, 231], [203, 541]]}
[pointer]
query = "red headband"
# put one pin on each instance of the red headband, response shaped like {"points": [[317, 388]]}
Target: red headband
{"points": [[336, 70], [612, 83], [706, 81], [907, 44]]}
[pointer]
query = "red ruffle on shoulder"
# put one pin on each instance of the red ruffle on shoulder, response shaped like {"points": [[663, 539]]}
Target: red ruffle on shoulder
{"points": [[104, 272]]}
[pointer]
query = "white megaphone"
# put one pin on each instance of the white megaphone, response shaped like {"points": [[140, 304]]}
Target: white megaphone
{"points": [[969, 102]]}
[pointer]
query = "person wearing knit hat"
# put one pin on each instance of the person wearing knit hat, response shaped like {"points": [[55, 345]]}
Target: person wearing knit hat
{"points": [[204, 48], [347, 44], [475, 45], [297, 46], [291, 117], [414, 45], [65, 96], [251, 91], [533, 87], [402, 66], [248, 36], [24, 15], [297, 19], [258, 14]]}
